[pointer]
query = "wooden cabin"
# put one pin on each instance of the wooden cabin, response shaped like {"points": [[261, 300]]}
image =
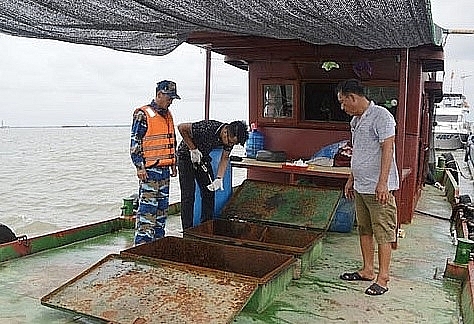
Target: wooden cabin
{"points": [[292, 98]]}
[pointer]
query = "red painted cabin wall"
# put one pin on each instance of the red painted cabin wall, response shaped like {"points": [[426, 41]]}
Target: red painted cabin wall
{"points": [[301, 139], [297, 62]]}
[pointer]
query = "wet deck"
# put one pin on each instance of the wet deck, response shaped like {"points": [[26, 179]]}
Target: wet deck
{"points": [[418, 292]]}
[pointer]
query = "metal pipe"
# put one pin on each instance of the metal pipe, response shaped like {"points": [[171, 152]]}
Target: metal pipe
{"points": [[459, 31], [208, 83]]}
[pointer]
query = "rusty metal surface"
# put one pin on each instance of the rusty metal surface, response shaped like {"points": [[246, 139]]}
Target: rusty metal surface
{"points": [[267, 237], [289, 204], [253, 263], [123, 289]]}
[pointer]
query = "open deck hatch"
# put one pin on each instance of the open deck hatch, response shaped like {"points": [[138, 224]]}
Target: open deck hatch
{"points": [[175, 280], [275, 217]]}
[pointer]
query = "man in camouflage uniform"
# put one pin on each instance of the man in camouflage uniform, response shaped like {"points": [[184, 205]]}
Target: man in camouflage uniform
{"points": [[152, 149]]}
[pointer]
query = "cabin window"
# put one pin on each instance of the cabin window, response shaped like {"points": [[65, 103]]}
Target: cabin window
{"points": [[278, 100], [384, 96], [319, 101]]}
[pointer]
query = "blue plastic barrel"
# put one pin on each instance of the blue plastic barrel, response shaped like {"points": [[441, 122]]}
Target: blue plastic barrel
{"points": [[221, 196], [344, 216], [254, 143]]}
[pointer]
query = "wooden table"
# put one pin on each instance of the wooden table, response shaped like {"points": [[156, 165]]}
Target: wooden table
{"points": [[293, 171], [311, 170]]}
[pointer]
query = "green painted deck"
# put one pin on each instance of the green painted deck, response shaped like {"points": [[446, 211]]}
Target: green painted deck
{"points": [[25, 280], [418, 292]]}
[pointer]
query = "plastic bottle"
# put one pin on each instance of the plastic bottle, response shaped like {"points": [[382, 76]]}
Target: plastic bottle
{"points": [[255, 142]]}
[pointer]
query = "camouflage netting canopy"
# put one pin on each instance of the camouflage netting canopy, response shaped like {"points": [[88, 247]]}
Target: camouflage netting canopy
{"points": [[156, 27]]}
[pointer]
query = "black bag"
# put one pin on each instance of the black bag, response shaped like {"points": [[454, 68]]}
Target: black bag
{"points": [[271, 156], [6, 234]]}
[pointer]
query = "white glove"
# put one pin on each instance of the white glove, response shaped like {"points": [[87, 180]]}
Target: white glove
{"points": [[216, 184], [196, 156]]}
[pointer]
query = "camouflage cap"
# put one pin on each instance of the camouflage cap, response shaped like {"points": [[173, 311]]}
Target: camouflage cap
{"points": [[168, 88]]}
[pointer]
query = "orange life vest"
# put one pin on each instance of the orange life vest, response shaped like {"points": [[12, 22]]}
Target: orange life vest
{"points": [[159, 141]]}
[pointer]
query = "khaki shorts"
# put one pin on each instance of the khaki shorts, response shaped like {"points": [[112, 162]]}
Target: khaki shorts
{"points": [[376, 219]]}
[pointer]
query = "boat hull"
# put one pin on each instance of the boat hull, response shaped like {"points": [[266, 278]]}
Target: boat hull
{"points": [[449, 141], [451, 128], [26, 246]]}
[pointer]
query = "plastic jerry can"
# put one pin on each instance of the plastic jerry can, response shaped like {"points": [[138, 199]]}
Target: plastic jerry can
{"points": [[255, 142]]}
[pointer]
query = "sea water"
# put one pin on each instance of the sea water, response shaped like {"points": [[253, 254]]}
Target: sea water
{"points": [[57, 178]]}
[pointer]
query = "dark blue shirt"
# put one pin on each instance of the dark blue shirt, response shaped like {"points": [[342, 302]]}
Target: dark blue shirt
{"points": [[206, 137]]}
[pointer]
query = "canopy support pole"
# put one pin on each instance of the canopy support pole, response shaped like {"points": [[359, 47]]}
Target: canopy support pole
{"points": [[208, 84]]}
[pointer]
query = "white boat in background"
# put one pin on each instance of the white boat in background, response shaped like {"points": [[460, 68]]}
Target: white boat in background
{"points": [[451, 125]]}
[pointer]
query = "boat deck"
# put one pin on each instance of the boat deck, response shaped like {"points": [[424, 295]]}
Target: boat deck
{"points": [[418, 293]]}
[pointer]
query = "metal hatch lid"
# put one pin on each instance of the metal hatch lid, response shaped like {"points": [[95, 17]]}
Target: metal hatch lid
{"points": [[124, 289], [304, 207]]}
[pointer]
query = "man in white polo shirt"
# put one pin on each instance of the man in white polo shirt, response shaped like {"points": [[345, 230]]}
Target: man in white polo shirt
{"points": [[373, 179]]}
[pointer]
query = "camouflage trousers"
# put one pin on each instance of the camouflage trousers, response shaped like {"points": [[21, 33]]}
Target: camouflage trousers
{"points": [[153, 205]]}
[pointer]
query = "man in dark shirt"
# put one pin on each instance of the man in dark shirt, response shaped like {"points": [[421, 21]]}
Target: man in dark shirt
{"points": [[194, 162]]}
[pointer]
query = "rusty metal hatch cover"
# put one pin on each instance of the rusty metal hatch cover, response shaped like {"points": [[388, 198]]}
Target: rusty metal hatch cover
{"points": [[124, 289], [266, 202]]}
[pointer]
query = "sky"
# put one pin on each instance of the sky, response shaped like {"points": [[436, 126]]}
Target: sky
{"points": [[52, 83], [458, 49]]}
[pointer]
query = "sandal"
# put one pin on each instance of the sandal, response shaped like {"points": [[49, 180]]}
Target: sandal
{"points": [[353, 276], [376, 290]]}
